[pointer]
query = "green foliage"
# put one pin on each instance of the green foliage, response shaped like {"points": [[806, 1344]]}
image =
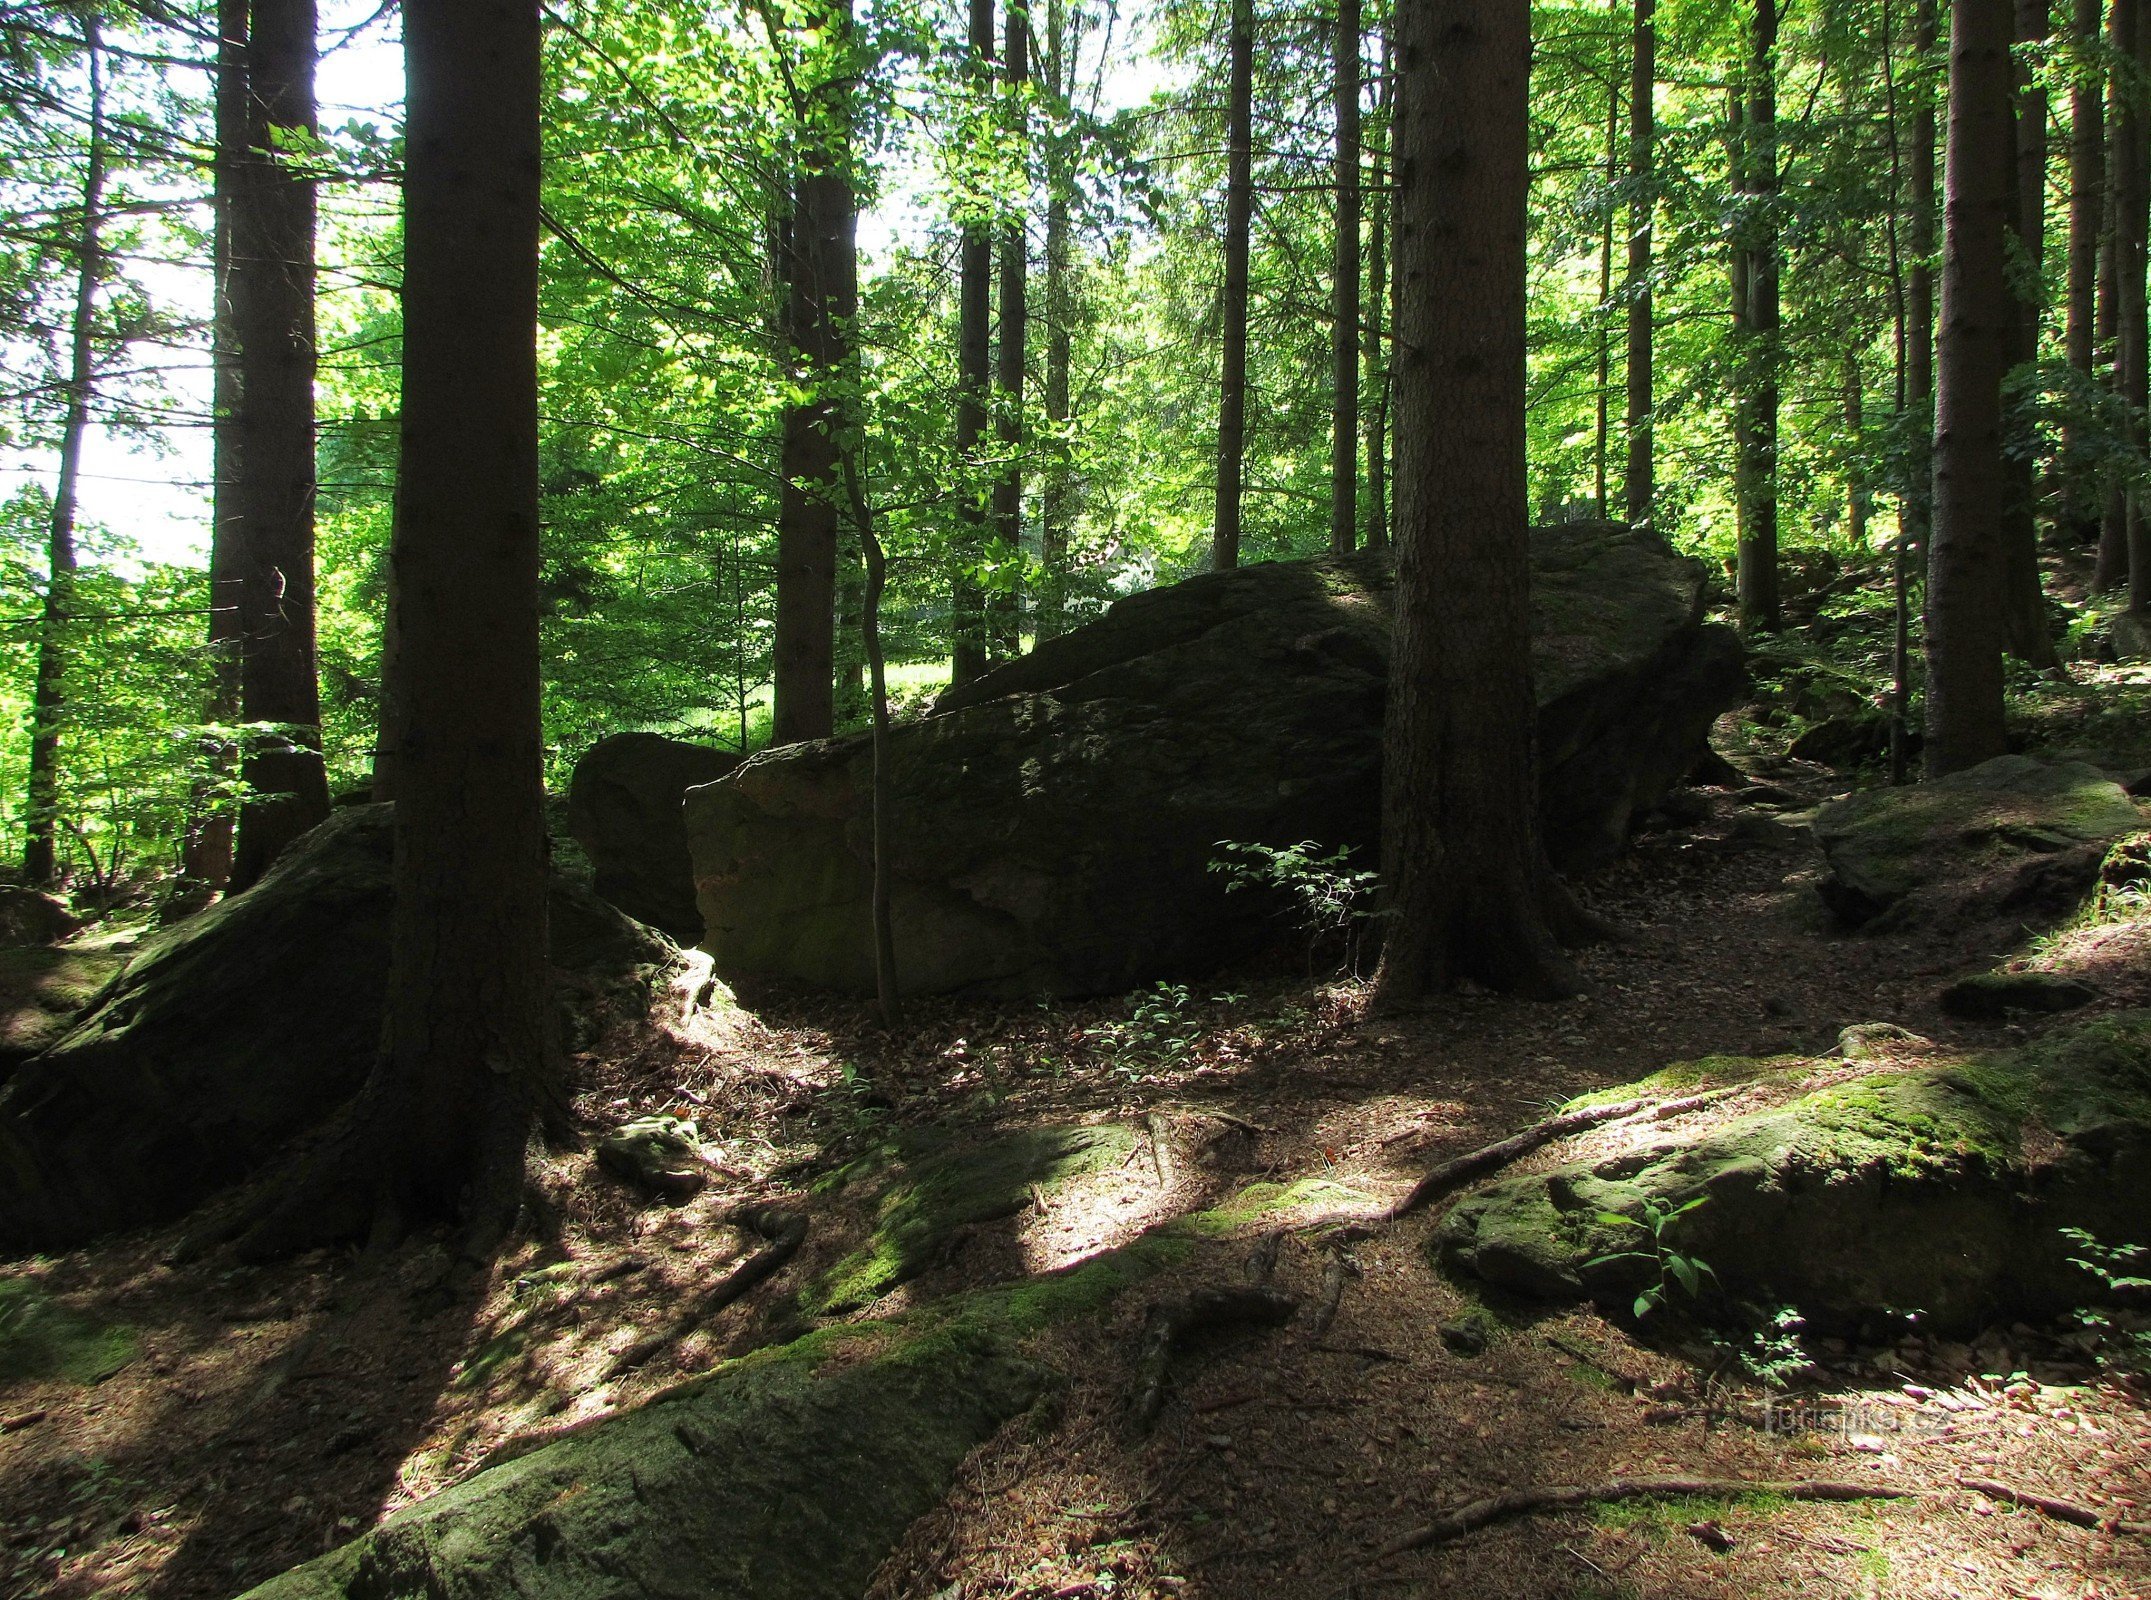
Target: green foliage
{"points": [[2122, 1332], [1329, 899], [1675, 1268]]}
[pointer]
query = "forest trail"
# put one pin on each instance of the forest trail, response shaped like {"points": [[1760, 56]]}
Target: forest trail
{"points": [[270, 1413]]}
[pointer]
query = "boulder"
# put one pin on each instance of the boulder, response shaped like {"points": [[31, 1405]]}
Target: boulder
{"points": [[1851, 1193], [30, 916], [624, 810], [43, 989], [241, 1027], [1992, 996], [2011, 834], [1055, 819]]}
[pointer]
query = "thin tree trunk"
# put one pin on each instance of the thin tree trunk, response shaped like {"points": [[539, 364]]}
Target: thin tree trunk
{"points": [[1918, 498], [1007, 603], [1639, 488], [1056, 499], [1858, 501], [1979, 332], [2121, 313], [1760, 610], [2132, 193], [1344, 293], [1239, 214], [1602, 439], [272, 294], [48, 705], [974, 369], [1377, 411], [2025, 630], [1461, 857], [883, 928], [2087, 215]]}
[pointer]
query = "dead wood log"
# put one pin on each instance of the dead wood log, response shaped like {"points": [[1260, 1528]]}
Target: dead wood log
{"points": [[1171, 1321], [2059, 1510], [783, 1231]]}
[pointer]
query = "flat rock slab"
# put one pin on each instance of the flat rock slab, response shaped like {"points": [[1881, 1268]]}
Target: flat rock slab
{"points": [[1859, 1195], [2006, 834], [1055, 820]]}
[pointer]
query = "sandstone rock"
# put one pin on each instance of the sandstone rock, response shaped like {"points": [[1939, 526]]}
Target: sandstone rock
{"points": [[1991, 996], [241, 1027], [42, 990], [30, 916], [2021, 834], [657, 1155], [1055, 819], [624, 810]]}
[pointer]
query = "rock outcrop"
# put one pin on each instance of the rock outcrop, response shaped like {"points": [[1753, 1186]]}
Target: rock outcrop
{"points": [[43, 988], [241, 1027], [1055, 820], [624, 810], [1853, 1194]]}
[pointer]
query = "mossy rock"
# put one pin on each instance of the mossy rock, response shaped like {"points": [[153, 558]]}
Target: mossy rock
{"points": [[1940, 1190], [42, 988], [40, 1338], [1991, 996], [2008, 821], [935, 1191]]}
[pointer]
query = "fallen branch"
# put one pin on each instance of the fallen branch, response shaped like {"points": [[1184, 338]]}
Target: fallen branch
{"points": [[1513, 1503], [2059, 1510], [1335, 1271], [1453, 1174], [1202, 1309], [784, 1231]]}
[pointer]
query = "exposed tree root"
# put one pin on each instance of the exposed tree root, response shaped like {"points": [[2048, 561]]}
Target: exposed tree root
{"points": [[1513, 1503], [1202, 1309], [783, 1230], [2059, 1510], [1335, 1272]]}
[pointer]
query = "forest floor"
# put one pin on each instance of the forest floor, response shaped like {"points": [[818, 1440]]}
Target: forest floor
{"points": [[271, 1413]]}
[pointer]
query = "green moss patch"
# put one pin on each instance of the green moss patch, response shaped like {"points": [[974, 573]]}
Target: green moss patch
{"points": [[42, 1339]]}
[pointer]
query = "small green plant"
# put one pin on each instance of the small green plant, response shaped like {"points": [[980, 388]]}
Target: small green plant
{"points": [[1161, 1030], [1770, 1352], [1329, 898], [1675, 1267], [2123, 1341]]}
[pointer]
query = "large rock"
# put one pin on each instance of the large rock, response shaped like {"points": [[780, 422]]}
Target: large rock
{"points": [[43, 989], [239, 1028], [1854, 1195], [624, 810], [2007, 835], [1055, 819]]}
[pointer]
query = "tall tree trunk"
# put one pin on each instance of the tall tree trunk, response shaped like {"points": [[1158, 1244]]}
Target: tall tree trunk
{"points": [[1377, 300], [2122, 303], [1639, 488], [1602, 390], [1007, 603], [2087, 216], [272, 294], [974, 364], [1916, 501], [48, 705], [1980, 319], [1239, 215], [1344, 293], [1056, 499], [824, 299], [2024, 624], [1760, 610], [1858, 500], [1467, 883]]}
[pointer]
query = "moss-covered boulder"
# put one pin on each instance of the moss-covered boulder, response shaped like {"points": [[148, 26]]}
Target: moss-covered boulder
{"points": [[1054, 821], [1854, 1193], [42, 1339], [42, 990], [245, 1025], [2014, 832], [624, 810]]}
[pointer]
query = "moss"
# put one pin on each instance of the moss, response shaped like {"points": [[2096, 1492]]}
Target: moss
{"points": [[1667, 1515], [1264, 1202], [40, 1338], [1690, 1077]]}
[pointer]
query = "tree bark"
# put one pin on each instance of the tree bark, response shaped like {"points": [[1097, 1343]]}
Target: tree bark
{"points": [[2132, 196], [1461, 858], [1917, 500], [1344, 293], [1602, 390], [1056, 501], [1007, 604], [1760, 609], [974, 364], [48, 704], [2087, 216], [1979, 332], [1639, 488], [272, 294], [2024, 623], [1377, 301], [1239, 215]]}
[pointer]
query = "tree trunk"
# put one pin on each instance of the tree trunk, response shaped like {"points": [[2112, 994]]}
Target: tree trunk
{"points": [[1344, 293], [1056, 499], [1917, 500], [2024, 624], [48, 705], [2124, 299], [1760, 610], [2087, 216], [1007, 603], [1979, 333], [272, 295], [1602, 390], [1858, 501], [1377, 412], [1639, 489], [824, 299], [1239, 214], [974, 364], [1461, 859]]}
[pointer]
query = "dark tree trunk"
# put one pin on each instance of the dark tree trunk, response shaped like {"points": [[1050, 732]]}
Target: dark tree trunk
{"points": [[1756, 472], [1007, 604], [1602, 390], [1979, 333], [1461, 859], [48, 705], [824, 298], [1377, 412], [439, 1130], [974, 371], [1917, 507], [1344, 293], [1056, 500], [1638, 490], [1858, 501], [2122, 307], [2024, 621], [2087, 216], [1239, 215], [272, 297]]}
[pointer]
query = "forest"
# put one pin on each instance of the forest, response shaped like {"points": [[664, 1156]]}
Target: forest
{"points": [[1045, 799]]}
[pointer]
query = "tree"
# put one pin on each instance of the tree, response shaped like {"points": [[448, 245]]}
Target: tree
{"points": [[1468, 889], [2087, 217], [974, 358], [2024, 603], [1979, 331], [1756, 426], [273, 479], [1055, 501], [1239, 215], [439, 1130], [2129, 196], [1014, 351], [1638, 487], [1377, 301], [1344, 293]]}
